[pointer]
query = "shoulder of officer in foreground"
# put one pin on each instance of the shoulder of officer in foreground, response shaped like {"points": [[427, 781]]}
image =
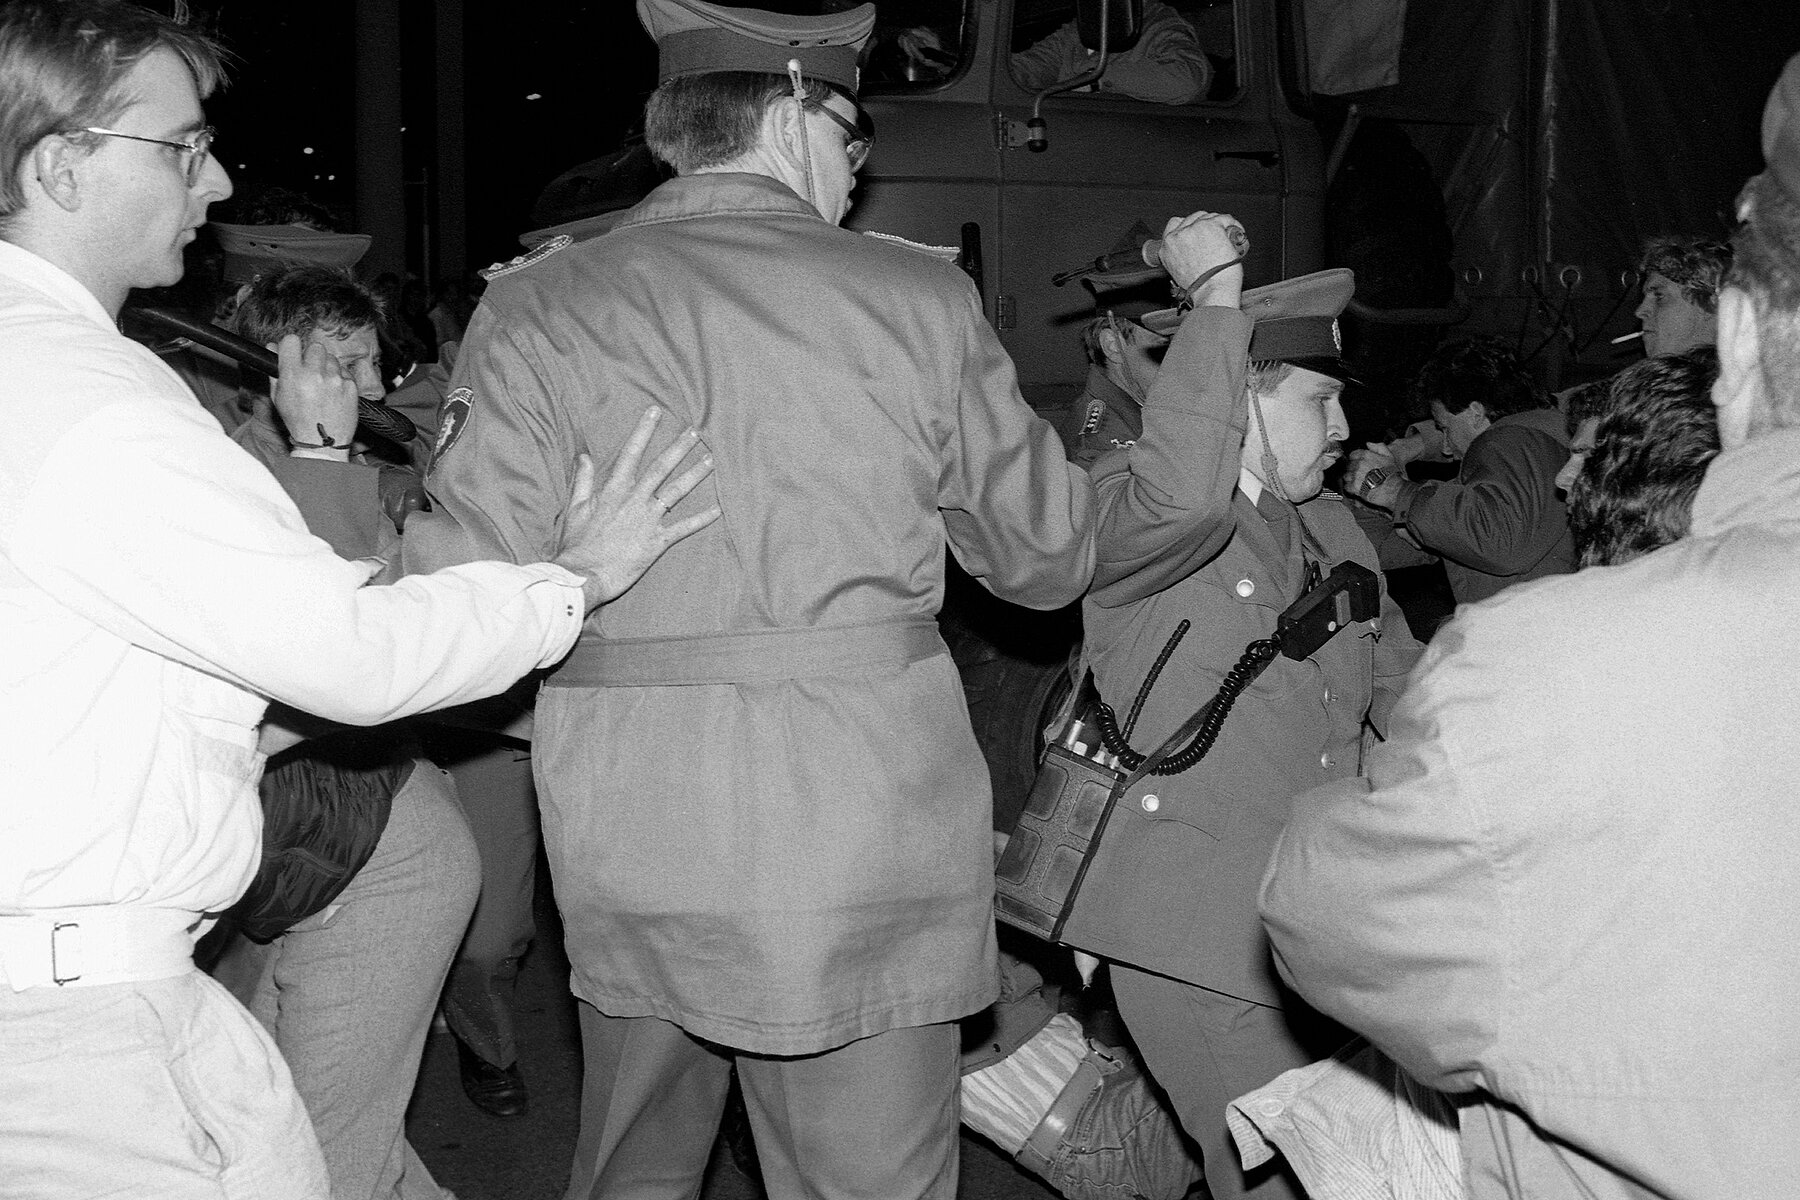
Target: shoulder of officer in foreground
{"points": [[531, 258]]}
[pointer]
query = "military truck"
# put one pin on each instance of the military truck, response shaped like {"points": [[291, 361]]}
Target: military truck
{"points": [[1485, 165]]}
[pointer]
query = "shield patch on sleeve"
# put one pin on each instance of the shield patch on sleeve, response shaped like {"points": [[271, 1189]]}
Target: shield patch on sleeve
{"points": [[453, 418]]}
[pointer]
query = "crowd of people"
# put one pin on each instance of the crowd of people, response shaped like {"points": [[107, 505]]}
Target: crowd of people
{"points": [[672, 544]]}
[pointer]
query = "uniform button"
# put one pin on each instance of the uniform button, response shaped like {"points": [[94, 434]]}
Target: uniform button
{"points": [[1151, 802], [1245, 588], [1325, 759], [1328, 696]]}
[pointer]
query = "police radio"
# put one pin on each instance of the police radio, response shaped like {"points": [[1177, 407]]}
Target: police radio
{"points": [[1089, 767]]}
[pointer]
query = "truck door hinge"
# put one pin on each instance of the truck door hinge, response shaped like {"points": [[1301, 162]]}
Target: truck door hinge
{"points": [[1008, 133], [1006, 311]]}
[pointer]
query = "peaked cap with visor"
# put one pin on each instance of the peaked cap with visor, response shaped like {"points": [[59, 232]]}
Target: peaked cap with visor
{"points": [[251, 250], [696, 38], [1296, 320]]}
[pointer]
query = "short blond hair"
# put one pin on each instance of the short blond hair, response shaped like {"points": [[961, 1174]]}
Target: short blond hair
{"points": [[63, 65]]}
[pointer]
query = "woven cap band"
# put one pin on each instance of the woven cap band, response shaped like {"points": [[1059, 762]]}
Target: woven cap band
{"points": [[708, 51], [1283, 338]]}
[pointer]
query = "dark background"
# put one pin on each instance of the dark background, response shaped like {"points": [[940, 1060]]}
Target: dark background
{"points": [[544, 85]]}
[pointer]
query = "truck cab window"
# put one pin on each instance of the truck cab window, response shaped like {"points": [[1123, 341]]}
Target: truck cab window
{"points": [[1186, 54], [917, 44]]}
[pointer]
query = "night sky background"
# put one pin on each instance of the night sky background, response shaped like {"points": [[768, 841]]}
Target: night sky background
{"points": [[548, 84]]}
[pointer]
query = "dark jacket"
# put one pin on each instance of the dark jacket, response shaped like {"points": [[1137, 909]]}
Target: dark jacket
{"points": [[1501, 521]]}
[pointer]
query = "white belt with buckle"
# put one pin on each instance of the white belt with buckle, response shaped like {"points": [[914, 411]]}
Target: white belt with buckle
{"points": [[98, 944]]}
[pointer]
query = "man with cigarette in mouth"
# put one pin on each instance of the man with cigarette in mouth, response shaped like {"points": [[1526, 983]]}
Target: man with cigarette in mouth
{"points": [[1679, 312], [1680, 308]]}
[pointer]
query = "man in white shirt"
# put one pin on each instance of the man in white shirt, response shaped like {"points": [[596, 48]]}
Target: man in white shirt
{"points": [[156, 587]]}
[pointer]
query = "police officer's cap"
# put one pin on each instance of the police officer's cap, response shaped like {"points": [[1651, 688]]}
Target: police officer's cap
{"points": [[251, 250], [1296, 320], [696, 38]]}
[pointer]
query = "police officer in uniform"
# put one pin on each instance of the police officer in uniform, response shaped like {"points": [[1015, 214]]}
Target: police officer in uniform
{"points": [[766, 818], [1216, 517]]}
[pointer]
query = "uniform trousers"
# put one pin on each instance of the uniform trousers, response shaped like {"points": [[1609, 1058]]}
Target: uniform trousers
{"points": [[348, 994], [1206, 1049], [166, 1089], [873, 1120], [493, 780]]}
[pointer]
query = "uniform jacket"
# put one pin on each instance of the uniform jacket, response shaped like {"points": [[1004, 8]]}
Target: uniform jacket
{"points": [[1568, 887], [1501, 522], [785, 865], [1179, 540], [1106, 418]]}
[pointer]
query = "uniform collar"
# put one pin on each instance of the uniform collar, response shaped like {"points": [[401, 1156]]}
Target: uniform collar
{"points": [[1250, 485], [718, 193], [56, 284]]}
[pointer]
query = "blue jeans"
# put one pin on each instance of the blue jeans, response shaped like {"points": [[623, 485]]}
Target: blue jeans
{"points": [[348, 994]]}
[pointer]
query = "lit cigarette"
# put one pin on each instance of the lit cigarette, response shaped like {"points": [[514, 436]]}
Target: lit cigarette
{"points": [[1627, 337]]}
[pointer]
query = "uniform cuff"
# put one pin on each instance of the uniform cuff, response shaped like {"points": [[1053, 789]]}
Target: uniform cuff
{"points": [[1403, 501]]}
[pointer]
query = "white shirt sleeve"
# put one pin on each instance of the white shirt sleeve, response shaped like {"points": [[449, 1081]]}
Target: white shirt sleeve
{"points": [[172, 538]]}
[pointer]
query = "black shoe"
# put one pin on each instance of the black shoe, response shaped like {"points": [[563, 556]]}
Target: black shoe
{"points": [[498, 1091]]}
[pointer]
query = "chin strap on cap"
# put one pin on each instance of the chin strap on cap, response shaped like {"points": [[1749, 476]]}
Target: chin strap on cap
{"points": [[799, 84]]}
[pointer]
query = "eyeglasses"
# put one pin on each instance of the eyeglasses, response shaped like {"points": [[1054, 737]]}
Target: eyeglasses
{"points": [[861, 137], [197, 149]]}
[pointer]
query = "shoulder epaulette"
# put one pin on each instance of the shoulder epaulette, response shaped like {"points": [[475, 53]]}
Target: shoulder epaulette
{"points": [[948, 254], [536, 254]]}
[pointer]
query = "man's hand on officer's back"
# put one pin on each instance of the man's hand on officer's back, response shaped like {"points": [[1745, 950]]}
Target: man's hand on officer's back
{"points": [[612, 535], [1195, 244]]}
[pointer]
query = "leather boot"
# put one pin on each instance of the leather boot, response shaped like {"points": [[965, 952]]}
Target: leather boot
{"points": [[498, 1091]]}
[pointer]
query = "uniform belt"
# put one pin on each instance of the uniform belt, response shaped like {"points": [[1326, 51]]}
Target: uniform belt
{"points": [[763, 656], [97, 944]]}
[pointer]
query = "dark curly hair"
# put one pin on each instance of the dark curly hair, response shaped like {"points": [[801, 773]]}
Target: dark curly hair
{"points": [[1477, 368], [1659, 431], [284, 206], [1584, 401], [303, 299], [1697, 266]]}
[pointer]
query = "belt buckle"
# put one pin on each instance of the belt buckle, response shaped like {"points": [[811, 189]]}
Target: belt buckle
{"points": [[56, 975]]}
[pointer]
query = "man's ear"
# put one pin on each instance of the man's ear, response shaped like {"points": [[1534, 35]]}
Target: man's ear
{"points": [[785, 125], [54, 166], [1739, 384], [1480, 410]]}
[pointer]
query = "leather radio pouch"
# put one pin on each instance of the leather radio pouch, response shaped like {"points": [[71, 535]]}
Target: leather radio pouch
{"points": [[1071, 872]]}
